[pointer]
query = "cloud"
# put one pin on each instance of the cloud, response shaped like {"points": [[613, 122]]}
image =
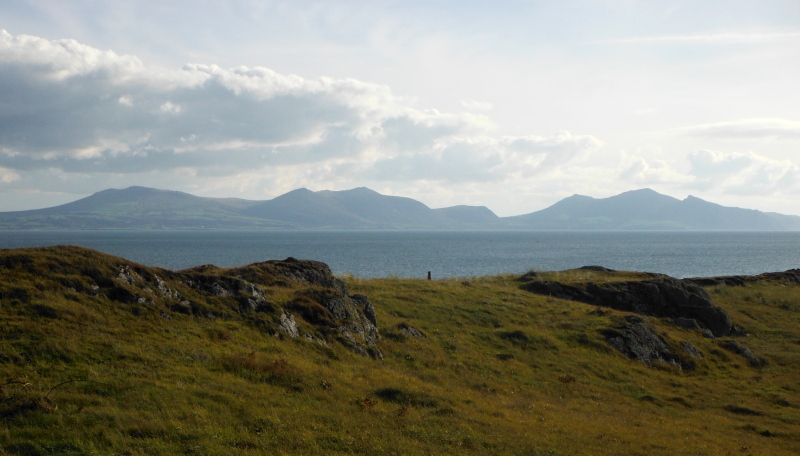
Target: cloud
{"points": [[747, 128], [483, 159], [74, 109], [640, 171], [732, 37], [7, 176], [743, 174]]}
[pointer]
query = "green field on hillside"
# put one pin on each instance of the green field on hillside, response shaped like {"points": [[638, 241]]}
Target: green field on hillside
{"points": [[102, 356]]}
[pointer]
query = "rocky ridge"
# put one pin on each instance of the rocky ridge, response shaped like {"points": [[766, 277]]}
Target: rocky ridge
{"points": [[319, 307]]}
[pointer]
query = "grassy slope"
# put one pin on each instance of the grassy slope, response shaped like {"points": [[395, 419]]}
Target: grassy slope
{"points": [[188, 385]]}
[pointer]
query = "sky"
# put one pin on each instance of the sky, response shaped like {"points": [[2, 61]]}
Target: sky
{"points": [[512, 105]]}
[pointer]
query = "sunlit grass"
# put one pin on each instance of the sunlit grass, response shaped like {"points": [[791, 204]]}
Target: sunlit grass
{"points": [[499, 371]]}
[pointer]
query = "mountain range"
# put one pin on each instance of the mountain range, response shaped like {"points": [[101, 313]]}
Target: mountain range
{"points": [[365, 209]]}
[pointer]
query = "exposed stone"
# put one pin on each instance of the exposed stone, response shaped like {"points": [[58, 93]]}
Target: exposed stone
{"points": [[639, 342], [166, 291], [791, 276], [659, 297], [735, 347], [288, 325], [687, 323], [410, 331], [219, 291], [691, 350], [363, 303], [127, 275], [337, 308]]}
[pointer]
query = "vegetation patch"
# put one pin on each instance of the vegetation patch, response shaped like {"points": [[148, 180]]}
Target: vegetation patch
{"points": [[253, 360]]}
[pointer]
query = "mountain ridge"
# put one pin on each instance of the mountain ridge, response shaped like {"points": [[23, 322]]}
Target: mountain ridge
{"points": [[365, 209]]}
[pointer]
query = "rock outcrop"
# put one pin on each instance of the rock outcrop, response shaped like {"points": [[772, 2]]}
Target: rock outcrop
{"points": [[739, 349], [658, 297], [637, 341], [288, 299], [321, 300], [791, 276]]}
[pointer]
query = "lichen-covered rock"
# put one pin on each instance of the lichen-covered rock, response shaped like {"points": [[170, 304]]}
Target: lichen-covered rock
{"points": [[659, 297]]}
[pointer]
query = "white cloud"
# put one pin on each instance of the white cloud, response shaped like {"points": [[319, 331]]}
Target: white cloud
{"points": [[746, 128], [170, 108], [743, 174], [643, 172], [730, 37], [483, 158], [89, 111], [7, 176]]}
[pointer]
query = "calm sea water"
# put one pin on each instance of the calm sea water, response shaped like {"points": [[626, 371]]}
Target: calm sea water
{"points": [[446, 254]]}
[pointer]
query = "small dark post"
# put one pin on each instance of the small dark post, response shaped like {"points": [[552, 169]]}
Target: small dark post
{"points": [[429, 275]]}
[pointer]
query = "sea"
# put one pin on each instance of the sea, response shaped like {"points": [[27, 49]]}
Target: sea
{"points": [[446, 254]]}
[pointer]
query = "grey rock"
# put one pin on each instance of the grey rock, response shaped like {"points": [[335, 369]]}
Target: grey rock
{"points": [[127, 275], [687, 323], [735, 347], [363, 303], [219, 291], [411, 331], [338, 308], [658, 297], [166, 291], [639, 342], [691, 350], [288, 325]]}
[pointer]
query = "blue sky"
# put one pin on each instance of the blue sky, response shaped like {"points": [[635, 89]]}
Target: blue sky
{"points": [[512, 105]]}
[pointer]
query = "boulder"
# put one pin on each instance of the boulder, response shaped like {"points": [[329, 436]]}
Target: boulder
{"points": [[639, 342], [659, 297], [739, 349]]}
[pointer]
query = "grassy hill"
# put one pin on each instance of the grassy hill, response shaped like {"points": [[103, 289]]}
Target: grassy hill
{"points": [[99, 355]]}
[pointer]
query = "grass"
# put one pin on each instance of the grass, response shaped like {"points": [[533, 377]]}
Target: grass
{"points": [[498, 371]]}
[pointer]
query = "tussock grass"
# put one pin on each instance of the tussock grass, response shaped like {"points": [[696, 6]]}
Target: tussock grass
{"points": [[498, 371]]}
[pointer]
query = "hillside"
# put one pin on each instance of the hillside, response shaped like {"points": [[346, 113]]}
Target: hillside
{"points": [[147, 208], [646, 209], [99, 355], [139, 208], [142, 208]]}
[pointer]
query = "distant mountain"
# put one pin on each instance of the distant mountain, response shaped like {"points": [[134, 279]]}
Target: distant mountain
{"points": [[147, 208], [647, 209], [362, 208], [138, 208]]}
